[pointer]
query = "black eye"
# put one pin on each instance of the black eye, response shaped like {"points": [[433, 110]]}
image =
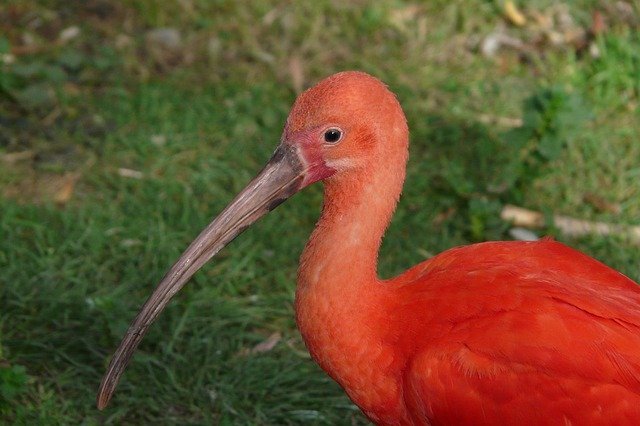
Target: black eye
{"points": [[332, 135]]}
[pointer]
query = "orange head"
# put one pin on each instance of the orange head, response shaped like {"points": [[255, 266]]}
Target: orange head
{"points": [[348, 121]]}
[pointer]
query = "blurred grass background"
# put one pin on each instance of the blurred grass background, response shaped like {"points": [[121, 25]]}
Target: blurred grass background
{"points": [[126, 125]]}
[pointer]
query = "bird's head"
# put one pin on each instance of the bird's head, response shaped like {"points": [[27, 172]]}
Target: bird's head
{"points": [[339, 129], [349, 121]]}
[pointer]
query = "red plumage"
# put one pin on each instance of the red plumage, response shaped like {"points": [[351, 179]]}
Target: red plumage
{"points": [[492, 333], [521, 333]]}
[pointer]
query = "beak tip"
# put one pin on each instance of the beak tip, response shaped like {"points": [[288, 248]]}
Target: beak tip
{"points": [[103, 397], [102, 401]]}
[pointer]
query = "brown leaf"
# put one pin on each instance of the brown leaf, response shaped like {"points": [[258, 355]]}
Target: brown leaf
{"points": [[600, 204], [268, 344], [15, 157], [65, 192], [443, 216]]}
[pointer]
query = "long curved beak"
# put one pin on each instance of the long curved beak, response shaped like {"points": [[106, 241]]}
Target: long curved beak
{"points": [[282, 177]]}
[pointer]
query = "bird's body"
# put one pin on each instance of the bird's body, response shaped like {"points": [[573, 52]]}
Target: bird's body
{"points": [[491, 333]]}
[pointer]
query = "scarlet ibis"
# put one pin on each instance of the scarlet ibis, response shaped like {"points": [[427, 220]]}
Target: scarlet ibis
{"points": [[490, 333]]}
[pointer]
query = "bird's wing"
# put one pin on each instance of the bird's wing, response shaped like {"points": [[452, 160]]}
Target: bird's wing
{"points": [[452, 384], [521, 329]]}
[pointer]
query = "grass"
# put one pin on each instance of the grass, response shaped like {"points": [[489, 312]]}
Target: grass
{"points": [[200, 124]]}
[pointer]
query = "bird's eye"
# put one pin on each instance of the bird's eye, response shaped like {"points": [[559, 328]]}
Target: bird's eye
{"points": [[332, 135]]}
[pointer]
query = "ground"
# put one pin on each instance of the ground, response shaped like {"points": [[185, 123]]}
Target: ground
{"points": [[125, 126]]}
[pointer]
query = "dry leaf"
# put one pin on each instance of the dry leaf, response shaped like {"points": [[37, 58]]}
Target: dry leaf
{"points": [[14, 157], [444, 215], [130, 242], [65, 192], [270, 17], [601, 204], [500, 121], [513, 14], [158, 140], [493, 42], [68, 34], [130, 173], [268, 344], [545, 22]]}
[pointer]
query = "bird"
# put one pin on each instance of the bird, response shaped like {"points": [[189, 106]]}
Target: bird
{"points": [[498, 332]]}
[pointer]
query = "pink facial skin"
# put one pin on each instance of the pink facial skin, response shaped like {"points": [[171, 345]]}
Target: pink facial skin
{"points": [[309, 146]]}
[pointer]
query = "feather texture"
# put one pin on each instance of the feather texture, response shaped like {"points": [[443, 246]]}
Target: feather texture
{"points": [[491, 333]]}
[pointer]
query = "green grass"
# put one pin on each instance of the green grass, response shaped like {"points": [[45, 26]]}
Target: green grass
{"points": [[74, 275]]}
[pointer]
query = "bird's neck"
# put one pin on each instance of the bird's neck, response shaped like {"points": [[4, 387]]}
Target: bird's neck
{"points": [[339, 297], [346, 240]]}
